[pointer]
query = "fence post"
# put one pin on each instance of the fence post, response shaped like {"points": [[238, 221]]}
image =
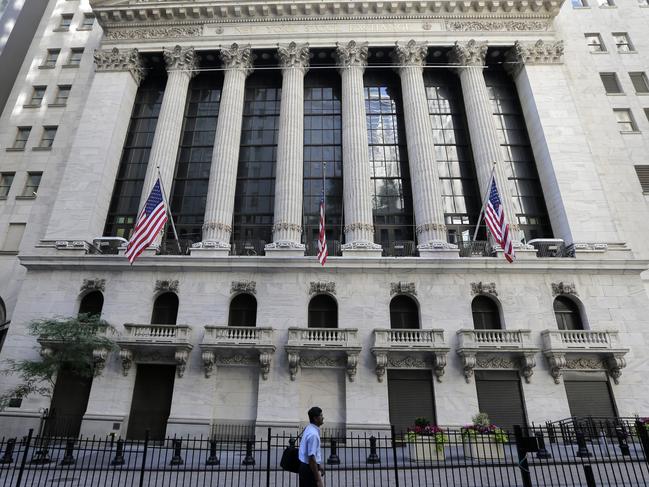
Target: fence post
{"points": [[8, 456], [622, 441], [249, 458], [543, 453], [24, 460], [176, 459], [394, 456], [333, 457], [119, 454], [522, 457], [582, 450], [268, 459], [146, 447], [212, 459], [68, 458], [373, 456], [644, 438]]}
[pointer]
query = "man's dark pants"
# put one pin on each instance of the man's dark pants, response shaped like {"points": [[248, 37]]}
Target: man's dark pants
{"points": [[307, 479]]}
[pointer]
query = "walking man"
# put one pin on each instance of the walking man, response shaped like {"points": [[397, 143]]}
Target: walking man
{"points": [[311, 470]]}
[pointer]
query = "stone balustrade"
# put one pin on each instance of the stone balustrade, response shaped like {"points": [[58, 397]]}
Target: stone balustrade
{"points": [[157, 333], [580, 339], [495, 339], [323, 337]]}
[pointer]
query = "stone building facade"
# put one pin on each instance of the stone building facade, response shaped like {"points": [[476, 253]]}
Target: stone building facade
{"points": [[236, 107]]}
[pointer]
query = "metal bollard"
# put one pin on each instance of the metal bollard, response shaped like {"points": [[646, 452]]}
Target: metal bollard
{"points": [[212, 459], [373, 457], [543, 453], [249, 459], [119, 454], [68, 458], [622, 442], [333, 457], [177, 459], [8, 456], [582, 450]]}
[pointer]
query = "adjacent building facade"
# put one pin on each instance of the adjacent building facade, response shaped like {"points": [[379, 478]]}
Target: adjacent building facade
{"points": [[398, 115]]}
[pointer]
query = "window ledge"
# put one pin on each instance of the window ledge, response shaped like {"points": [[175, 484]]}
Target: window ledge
{"points": [[8, 252], [627, 52], [84, 28], [615, 94], [66, 66], [57, 105], [46, 66], [41, 148], [20, 197], [31, 105], [642, 93], [582, 7], [15, 149], [3, 198], [599, 52], [632, 132], [607, 6], [61, 29]]}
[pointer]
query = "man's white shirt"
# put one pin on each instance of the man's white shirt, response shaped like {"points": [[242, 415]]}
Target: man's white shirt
{"points": [[310, 444]]}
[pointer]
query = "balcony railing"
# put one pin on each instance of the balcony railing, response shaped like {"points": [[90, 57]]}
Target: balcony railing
{"points": [[333, 248], [552, 247], [323, 337], [476, 248], [157, 333], [408, 339], [495, 339], [580, 340], [237, 336]]}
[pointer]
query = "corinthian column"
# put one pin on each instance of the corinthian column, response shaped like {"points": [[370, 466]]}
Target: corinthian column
{"points": [[217, 227], [181, 67], [287, 227], [427, 196], [359, 230], [470, 58]]}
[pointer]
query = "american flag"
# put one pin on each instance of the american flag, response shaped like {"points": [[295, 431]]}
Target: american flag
{"points": [[149, 223], [498, 226], [322, 237]]}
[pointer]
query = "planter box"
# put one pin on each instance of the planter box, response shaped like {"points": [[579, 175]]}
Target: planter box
{"points": [[483, 447], [424, 449]]}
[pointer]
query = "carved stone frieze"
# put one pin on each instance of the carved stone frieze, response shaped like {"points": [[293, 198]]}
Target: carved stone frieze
{"points": [[411, 54], [243, 287], [162, 32], [181, 59], [120, 60], [494, 362], [471, 53], [323, 361], [320, 287], [237, 57], [585, 363], [484, 288], [93, 285], [561, 287], [402, 287], [352, 54], [163, 286], [217, 226], [407, 362], [359, 226], [540, 52], [426, 227], [497, 25], [287, 226], [285, 245], [294, 56]]}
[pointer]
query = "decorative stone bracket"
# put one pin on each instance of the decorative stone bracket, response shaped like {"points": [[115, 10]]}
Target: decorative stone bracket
{"points": [[93, 285], [472, 360], [212, 360], [166, 286], [484, 288], [99, 355], [384, 361], [558, 362], [181, 356], [296, 361]]}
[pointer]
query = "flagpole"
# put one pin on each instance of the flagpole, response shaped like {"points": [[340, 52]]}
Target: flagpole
{"points": [[484, 202], [171, 218]]}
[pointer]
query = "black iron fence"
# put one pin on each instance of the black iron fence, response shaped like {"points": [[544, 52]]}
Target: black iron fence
{"points": [[548, 455]]}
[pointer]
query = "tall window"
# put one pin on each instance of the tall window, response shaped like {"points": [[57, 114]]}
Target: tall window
{"points": [[323, 312], [38, 93], [486, 315], [50, 58], [611, 83], [625, 121], [32, 183], [22, 135], [76, 53], [243, 310], [460, 193], [92, 303], [623, 42], [524, 185], [165, 309], [6, 179], [391, 194], [195, 156], [595, 43], [640, 82], [135, 157], [47, 138], [62, 95], [567, 314], [404, 313], [255, 193], [322, 143]]}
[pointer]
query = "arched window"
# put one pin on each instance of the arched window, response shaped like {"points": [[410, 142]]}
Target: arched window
{"points": [[243, 311], [165, 309], [323, 312], [404, 313], [92, 303], [486, 315], [567, 313]]}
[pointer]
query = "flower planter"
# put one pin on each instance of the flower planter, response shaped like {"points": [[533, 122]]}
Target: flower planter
{"points": [[483, 447], [426, 449]]}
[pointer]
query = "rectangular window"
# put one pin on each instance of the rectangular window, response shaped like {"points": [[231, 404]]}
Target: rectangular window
{"points": [[625, 120], [611, 83], [21, 137], [13, 238], [64, 24], [643, 177], [31, 184], [88, 21], [594, 42], [6, 178], [623, 42], [640, 82], [38, 94], [50, 58], [75, 56], [48, 137], [62, 94]]}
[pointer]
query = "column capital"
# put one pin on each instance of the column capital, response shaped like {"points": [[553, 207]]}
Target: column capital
{"points": [[352, 54], [412, 54], [470, 53], [294, 56], [181, 59], [237, 57], [539, 52], [114, 60]]}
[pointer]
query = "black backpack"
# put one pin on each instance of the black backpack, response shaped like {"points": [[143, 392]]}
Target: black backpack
{"points": [[290, 458]]}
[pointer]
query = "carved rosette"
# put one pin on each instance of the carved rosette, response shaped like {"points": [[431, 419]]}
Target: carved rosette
{"points": [[471, 53], [559, 288], [126, 356], [410, 55], [497, 25], [181, 59], [120, 60], [164, 286], [381, 364], [294, 56], [402, 287], [352, 54], [293, 364], [484, 288], [90, 285], [243, 287], [540, 52], [322, 287], [236, 57], [163, 32]]}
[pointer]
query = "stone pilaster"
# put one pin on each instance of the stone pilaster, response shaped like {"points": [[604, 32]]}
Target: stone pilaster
{"points": [[287, 227], [181, 67], [80, 208], [359, 228], [219, 208], [470, 58], [427, 196]]}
